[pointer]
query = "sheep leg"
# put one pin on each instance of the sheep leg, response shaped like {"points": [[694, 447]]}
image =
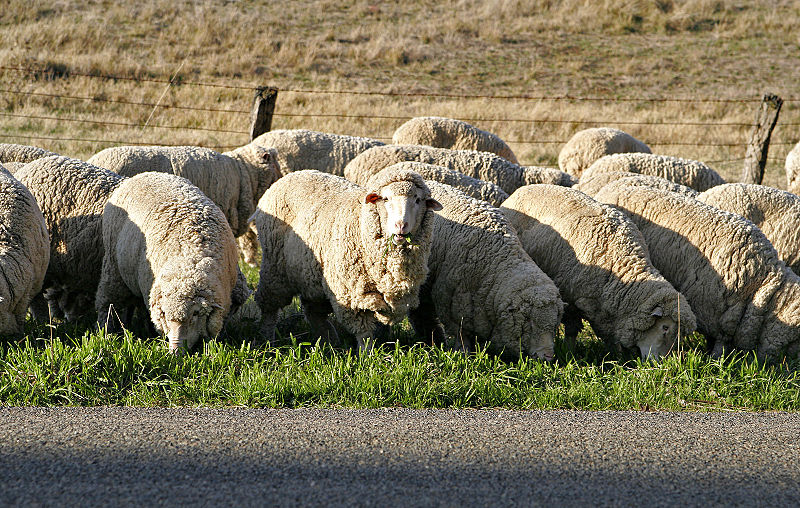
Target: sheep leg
{"points": [[426, 325], [248, 246], [40, 308], [114, 299], [572, 327], [316, 313]]}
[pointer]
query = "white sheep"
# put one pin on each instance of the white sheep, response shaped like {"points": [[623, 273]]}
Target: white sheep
{"points": [[24, 252], [304, 149], [598, 260], [686, 172], [482, 285], [774, 211], [71, 195], [481, 165], [472, 187], [588, 145], [793, 169], [234, 180], [361, 253], [167, 245], [11, 152], [742, 294], [591, 184], [450, 133]]}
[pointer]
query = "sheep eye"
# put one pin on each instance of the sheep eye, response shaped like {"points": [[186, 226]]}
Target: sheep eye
{"points": [[417, 200], [665, 328]]}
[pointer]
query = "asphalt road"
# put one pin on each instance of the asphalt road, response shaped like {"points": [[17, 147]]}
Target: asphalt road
{"points": [[396, 457]]}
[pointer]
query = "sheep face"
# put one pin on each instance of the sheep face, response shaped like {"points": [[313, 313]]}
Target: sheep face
{"points": [[659, 339], [526, 327], [401, 207]]}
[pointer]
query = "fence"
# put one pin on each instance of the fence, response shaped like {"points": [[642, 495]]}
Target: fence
{"points": [[39, 106]]}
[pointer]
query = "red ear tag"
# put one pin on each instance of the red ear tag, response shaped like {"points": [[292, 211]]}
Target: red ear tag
{"points": [[372, 198]]}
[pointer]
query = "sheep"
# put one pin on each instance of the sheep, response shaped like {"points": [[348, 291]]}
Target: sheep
{"points": [[481, 165], [482, 285], [588, 145], [599, 261], [359, 252], [304, 149], [793, 169], [686, 172], [24, 253], [71, 195], [10, 152], [774, 211], [742, 294], [473, 187], [13, 167], [233, 180], [449, 133], [169, 246], [591, 184]]}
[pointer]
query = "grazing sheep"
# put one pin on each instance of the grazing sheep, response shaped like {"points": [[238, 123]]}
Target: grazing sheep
{"points": [[303, 149], [71, 195], [774, 211], [743, 296], [793, 170], [591, 184], [482, 285], [169, 246], [588, 145], [599, 261], [24, 253], [234, 180], [472, 187], [10, 152], [449, 133], [361, 253], [481, 165], [686, 172]]}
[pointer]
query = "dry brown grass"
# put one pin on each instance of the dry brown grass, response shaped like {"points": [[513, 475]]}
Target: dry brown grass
{"points": [[608, 50]]}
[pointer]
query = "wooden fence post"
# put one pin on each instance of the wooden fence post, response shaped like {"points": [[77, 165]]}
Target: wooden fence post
{"points": [[263, 108], [755, 158]]}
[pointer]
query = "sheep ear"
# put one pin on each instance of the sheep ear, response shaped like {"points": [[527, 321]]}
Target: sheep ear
{"points": [[372, 198], [433, 204], [658, 312], [265, 156]]}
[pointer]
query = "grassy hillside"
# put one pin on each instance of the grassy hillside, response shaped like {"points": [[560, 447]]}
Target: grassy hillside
{"points": [[621, 55]]}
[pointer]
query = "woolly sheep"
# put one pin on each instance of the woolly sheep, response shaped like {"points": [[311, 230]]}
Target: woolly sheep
{"points": [[481, 165], [304, 149], [588, 145], [361, 253], [449, 133], [592, 184], [13, 167], [686, 172], [233, 180], [71, 195], [472, 187], [24, 252], [598, 260], [10, 152], [793, 170], [168, 245], [482, 284], [774, 211], [743, 296]]}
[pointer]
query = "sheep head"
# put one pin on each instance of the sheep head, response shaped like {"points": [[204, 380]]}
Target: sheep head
{"points": [[188, 301], [527, 318]]}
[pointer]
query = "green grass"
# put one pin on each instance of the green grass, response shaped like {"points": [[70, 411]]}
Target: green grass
{"points": [[91, 368]]}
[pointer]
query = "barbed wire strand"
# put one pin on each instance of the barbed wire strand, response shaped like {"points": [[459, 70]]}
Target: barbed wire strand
{"points": [[121, 124], [113, 141]]}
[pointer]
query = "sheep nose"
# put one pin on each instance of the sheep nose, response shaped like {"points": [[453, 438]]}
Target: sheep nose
{"points": [[402, 227]]}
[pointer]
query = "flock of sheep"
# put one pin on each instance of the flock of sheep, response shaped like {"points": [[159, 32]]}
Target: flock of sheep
{"points": [[442, 226]]}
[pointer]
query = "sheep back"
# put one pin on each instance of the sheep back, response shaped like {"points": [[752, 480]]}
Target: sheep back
{"points": [[473, 187], [686, 172], [450, 133], [588, 145], [11, 152], [599, 261], [774, 211], [304, 149], [591, 184]]}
